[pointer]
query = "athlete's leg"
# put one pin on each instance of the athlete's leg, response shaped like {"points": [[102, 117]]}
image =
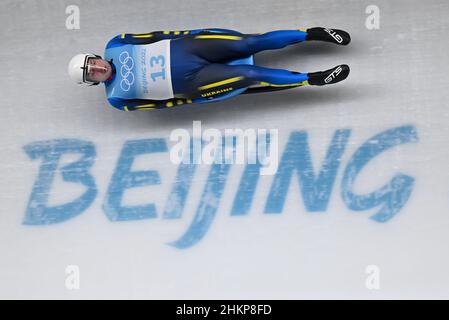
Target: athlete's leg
{"points": [[282, 38], [216, 79], [222, 46]]}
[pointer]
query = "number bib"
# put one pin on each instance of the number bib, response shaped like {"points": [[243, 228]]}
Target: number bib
{"points": [[142, 71]]}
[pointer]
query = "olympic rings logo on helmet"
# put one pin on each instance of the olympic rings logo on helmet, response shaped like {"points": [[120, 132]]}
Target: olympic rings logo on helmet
{"points": [[125, 70]]}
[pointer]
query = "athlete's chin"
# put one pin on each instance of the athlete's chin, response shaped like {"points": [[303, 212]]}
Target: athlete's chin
{"points": [[105, 77]]}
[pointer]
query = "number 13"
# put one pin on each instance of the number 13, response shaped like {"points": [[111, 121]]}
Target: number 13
{"points": [[158, 60]]}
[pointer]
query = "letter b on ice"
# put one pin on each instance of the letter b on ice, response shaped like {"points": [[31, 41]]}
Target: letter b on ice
{"points": [[38, 212]]}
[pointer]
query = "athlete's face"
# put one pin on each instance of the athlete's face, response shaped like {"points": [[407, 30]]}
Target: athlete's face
{"points": [[98, 70]]}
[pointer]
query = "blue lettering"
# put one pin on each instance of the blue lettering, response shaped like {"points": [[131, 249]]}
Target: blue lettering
{"points": [[395, 194], [37, 212], [315, 191], [123, 178]]}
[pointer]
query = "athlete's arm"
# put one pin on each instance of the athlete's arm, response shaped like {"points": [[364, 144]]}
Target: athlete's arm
{"points": [[150, 37], [144, 38], [145, 104]]}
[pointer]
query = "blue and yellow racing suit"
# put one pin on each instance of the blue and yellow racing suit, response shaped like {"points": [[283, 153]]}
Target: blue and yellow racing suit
{"points": [[163, 69]]}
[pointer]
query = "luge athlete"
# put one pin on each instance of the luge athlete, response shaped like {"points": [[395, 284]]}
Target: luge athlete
{"points": [[163, 69]]}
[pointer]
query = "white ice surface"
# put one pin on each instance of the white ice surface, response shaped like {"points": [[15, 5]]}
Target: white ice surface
{"points": [[398, 77]]}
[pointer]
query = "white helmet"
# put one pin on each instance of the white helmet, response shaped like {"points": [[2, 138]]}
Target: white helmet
{"points": [[77, 68]]}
